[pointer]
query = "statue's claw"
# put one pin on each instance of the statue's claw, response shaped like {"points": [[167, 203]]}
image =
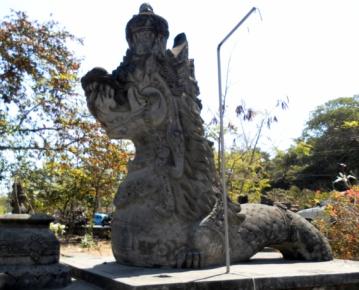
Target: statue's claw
{"points": [[95, 90], [189, 259], [180, 259], [92, 86], [193, 260]]}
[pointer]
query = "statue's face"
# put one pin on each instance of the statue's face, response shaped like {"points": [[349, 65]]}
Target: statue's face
{"points": [[146, 42], [143, 42], [135, 114]]}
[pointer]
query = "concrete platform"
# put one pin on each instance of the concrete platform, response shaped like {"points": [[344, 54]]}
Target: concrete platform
{"points": [[75, 285], [265, 271]]}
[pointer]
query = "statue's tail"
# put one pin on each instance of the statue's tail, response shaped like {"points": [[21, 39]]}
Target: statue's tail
{"points": [[305, 241]]}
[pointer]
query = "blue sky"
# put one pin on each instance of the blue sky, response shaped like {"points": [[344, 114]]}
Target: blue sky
{"points": [[306, 50]]}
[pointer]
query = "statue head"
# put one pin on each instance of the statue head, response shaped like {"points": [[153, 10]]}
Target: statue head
{"points": [[146, 32], [138, 96], [145, 8]]}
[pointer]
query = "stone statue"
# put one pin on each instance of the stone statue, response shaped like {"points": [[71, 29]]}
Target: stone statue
{"points": [[169, 210], [18, 200]]}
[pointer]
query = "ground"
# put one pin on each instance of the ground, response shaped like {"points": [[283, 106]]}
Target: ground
{"points": [[101, 249]]}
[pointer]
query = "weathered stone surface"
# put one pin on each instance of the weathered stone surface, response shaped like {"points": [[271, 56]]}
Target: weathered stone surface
{"points": [[29, 253], [169, 209], [37, 276], [27, 240]]}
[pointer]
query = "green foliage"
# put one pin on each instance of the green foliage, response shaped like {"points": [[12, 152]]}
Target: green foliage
{"points": [[333, 116], [246, 165], [303, 198], [333, 133], [286, 167], [88, 241], [58, 229], [86, 177], [330, 138], [4, 204], [246, 174]]}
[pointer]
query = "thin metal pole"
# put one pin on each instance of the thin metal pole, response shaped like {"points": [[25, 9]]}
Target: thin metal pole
{"points": [[221, 136]]}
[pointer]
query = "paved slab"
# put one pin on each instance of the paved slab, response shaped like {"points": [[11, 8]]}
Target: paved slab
{"points": [[263, 272], [75, 285]]}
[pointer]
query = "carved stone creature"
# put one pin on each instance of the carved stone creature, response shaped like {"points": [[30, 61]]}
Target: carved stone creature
{"points": [[169, 210], [18, 200]]}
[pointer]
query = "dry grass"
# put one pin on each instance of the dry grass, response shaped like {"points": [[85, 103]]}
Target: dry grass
{"points": [[100, 249]]}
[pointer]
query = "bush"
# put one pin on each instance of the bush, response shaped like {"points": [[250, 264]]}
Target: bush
{"points": [[88, 241], [304, 198], [58, 229], [341, 224]]}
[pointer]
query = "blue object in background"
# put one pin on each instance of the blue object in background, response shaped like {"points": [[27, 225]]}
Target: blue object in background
{"points": [[100, 219]]}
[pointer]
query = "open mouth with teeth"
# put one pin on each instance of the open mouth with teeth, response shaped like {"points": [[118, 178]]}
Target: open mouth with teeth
{"points": [[123, 110]]}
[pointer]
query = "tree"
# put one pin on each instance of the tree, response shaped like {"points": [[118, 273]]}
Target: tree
{"points": [[286, 167], [62, 157], [246, 174], [83, 178], [330, 138], [105, 161], [246, 165], [333, 133], [38, 77]]}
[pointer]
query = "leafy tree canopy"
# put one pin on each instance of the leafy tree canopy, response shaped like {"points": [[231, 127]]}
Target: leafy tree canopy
{"points": [[63, 158], [333, 132], [331, 137], [334, 116], [38, 76]]}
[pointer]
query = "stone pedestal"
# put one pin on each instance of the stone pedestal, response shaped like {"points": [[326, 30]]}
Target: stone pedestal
{"points": [[264, 271], [29, 253]]}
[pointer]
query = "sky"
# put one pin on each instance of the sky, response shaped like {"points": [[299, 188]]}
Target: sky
{"points": [[305, 50]]}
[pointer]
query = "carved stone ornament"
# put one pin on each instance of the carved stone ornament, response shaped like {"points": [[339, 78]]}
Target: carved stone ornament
{"points": [[29, 253], [169, 209]]}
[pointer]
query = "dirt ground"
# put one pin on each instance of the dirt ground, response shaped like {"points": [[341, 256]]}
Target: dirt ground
{"points": [[101, 248]]}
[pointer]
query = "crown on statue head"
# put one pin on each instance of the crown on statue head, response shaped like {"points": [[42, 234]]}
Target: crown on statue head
{"points": [[147, 20]]}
